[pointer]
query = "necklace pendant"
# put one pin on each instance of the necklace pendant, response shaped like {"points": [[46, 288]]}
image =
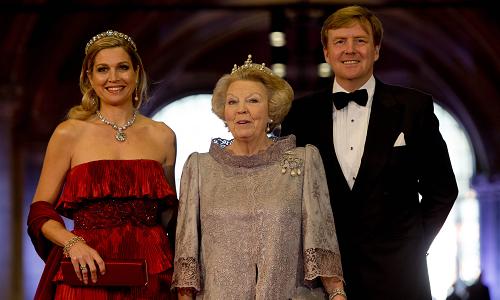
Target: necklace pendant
{"points": [[120, 136]]}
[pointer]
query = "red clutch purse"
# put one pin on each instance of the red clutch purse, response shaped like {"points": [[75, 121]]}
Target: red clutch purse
{"points": [[119, 272]]}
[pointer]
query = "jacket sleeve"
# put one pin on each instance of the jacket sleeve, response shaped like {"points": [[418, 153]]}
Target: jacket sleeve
{"points": [[186, 262], [436, 181], [321, 249]]}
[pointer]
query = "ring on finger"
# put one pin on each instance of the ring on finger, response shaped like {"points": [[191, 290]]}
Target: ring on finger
{"points": [[83, 267]]}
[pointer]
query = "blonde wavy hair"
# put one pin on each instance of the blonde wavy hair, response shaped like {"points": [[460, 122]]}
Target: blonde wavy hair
{"points": [[280, 93], [90, 101]]}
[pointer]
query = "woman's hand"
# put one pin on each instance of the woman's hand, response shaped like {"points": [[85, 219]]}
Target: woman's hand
{"points": [[334, 287], [84, 260], [186, 293]]}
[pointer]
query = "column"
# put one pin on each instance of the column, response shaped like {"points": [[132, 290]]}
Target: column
{"points": [[10, 202], [488, 195]]}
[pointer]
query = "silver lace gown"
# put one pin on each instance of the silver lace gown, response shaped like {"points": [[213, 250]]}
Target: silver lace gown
{"points": [[250, 227]]}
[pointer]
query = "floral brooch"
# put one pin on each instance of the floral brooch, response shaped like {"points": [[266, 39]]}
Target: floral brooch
{"points": [[291, 162]]}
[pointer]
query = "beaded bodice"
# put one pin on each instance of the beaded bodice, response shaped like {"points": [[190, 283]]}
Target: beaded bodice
{"points": [[115, 213]]}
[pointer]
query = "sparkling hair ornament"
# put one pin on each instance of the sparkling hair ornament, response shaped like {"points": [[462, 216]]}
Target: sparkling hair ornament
{"points": [[250, 65], [110, 33]]}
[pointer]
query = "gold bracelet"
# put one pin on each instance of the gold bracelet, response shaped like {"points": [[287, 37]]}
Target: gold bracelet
{"points": [[336, 292], [72, 241]]}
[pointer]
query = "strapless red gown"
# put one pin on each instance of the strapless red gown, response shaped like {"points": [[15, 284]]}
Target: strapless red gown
{"points": [[115, 205]]}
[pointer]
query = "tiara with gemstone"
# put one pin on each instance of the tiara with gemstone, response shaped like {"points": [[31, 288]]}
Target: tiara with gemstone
{"points": [[109, 33], [250, 65]]}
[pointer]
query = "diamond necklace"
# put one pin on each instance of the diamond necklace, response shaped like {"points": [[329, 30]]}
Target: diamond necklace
{"points": [[120, 134]]}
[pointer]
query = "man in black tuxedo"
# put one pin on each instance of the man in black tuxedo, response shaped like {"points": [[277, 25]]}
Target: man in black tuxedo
{"points": [[380, 152]]}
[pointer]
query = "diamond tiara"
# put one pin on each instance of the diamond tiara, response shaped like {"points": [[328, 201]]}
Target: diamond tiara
{"points": [[109, 33], [250, 65]]}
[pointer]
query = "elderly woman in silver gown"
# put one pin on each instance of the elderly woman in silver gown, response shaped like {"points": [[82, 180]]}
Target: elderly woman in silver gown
{"points": [[255, 220]]}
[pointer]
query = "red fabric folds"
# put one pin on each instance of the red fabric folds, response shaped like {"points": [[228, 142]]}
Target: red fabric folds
{"points": [[40, 212], [115, 205], [117, 179]]}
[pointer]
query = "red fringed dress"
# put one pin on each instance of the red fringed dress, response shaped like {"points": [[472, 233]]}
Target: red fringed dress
{"points": [[115, 205]]}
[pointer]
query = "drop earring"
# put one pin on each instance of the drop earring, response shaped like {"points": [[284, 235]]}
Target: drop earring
{"points": [[136, 98], [268, 128]]}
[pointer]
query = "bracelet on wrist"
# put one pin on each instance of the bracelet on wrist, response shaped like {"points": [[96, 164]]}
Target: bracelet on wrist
{"points": [[70, 243], [336, 292]]}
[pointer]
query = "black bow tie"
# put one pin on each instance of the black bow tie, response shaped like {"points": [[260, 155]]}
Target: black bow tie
{"points": [[341, 99]]}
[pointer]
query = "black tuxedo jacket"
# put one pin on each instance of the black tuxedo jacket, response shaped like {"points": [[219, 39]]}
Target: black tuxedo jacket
{"points": [[383, 228]]}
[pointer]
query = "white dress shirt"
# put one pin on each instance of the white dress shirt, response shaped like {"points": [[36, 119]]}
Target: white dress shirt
{"points": [[350, 126]]}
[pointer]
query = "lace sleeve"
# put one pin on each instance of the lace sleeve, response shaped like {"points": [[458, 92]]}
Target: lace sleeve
{"points": [[186, 263], [321, 250], [320, 262], [186, 272]]}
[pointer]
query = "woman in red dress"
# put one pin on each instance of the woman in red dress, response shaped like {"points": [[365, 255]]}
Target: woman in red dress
{"points": [[111, 170]]}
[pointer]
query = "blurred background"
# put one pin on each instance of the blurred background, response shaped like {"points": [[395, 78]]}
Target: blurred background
{"points": [[450, 49]]}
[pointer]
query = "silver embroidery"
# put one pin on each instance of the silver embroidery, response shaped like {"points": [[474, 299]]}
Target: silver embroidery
{"points": [[240, 224]]}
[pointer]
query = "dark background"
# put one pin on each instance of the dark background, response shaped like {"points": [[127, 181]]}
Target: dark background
{"points": [[447, 48]]}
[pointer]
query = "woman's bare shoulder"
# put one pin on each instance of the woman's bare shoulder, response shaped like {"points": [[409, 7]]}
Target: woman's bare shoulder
{"points": [[159, 129], [70, 129]]}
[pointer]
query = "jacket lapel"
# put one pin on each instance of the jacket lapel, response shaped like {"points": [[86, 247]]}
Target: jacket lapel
{"points": [[321, 129], [383, 129], [340, 184]]}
